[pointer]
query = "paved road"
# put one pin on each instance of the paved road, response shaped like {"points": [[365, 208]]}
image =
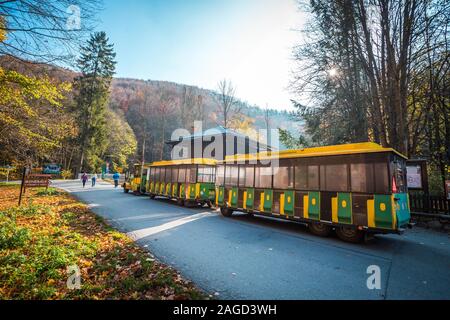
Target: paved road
{"points": [[259, 258]]}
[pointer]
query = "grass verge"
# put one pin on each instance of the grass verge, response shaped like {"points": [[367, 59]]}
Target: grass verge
{"points": [[52, 231]]}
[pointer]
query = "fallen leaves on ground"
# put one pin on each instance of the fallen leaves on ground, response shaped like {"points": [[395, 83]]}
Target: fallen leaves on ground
{"points": [[52, 231]]}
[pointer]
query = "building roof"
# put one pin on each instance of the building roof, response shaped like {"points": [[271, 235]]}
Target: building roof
{"points": [[201, 161], [354, 148], [213, 132]]}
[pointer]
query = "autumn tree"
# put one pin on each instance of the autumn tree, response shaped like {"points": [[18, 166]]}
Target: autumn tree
{"points": [[226, 101], [121, 140], [378, 71], [46, 31], [26, 103], [97, 67]]}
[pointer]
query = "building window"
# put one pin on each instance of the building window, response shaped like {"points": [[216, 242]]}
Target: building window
{"points": [[362, 177], [263, 177]]}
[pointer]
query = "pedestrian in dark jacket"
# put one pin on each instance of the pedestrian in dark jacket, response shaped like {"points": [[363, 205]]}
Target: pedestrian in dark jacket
{"points": [[84, 179]]}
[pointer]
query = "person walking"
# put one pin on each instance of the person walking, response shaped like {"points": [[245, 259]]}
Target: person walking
{"points": [[116, 177], [94, 179], [84, 178]]}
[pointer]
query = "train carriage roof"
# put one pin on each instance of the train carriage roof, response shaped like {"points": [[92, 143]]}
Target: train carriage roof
{"points": [[200, 161], [343, 149]]}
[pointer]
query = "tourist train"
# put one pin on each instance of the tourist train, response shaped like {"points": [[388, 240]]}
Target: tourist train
{"points": [[356, 189]]}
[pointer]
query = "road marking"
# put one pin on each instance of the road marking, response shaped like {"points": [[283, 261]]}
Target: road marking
{"points": [[143, 233]]}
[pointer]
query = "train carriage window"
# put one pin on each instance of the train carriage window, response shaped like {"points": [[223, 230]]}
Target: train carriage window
{"points": [[313, 178], [381, 177], [336, 177], [162, 175], [241, 176], [263, 177], [249, 176], [399, 175], [174, 175], [182, 175], [220, 180], [283, 177], [157, 174], [362, 179], [231, 175], [301, 177], [200, 174], [152, 174], [168, 174], [191, 174], [205, 174]]}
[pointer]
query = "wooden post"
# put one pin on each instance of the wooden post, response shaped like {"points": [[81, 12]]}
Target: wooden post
{"points": [[22, 185]]}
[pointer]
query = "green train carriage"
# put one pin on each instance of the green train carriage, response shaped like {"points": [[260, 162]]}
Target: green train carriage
{"points": [[189, 181], [356, 189]]}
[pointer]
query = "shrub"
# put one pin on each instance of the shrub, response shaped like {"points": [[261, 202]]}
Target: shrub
{"points": [[66, 174], [47, 192], [11, 236]]}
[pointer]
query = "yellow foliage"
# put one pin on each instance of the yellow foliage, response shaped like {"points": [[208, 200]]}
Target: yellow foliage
{"points": [[21, 100], [2, 31]]}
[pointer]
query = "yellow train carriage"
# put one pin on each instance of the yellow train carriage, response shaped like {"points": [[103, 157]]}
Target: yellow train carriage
{"points": [[356, 189], [189, 181], [137, 181]]}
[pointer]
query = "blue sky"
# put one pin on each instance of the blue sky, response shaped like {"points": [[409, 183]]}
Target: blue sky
{"points": [[199, 42]]}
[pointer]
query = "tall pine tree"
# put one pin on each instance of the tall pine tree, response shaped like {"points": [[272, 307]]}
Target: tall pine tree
{"points": [[97, 67]]}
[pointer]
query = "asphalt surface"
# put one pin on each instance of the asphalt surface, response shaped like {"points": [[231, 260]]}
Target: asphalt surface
{"points": [[260, 258]]}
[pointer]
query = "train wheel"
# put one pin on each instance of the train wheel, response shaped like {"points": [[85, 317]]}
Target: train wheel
{"points": [[188, 203], [152, 196], [209, 203], [126, 190], [226, 212], [180, 202], [319, 229], [349, 234]]}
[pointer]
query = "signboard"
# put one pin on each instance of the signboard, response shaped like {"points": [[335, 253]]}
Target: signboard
{"points": [[51, 169], [30, 180], [414, 176], [37, 180]]}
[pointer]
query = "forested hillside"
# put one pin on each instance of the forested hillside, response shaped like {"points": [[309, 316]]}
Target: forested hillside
{"points": [[138, 111], [154, 109]]}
